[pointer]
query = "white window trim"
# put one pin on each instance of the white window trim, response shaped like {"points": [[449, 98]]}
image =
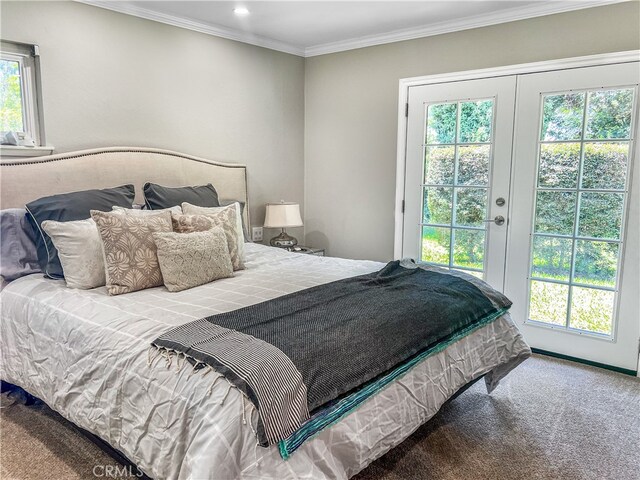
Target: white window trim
{"points": [[33, 122], [11, 151]]}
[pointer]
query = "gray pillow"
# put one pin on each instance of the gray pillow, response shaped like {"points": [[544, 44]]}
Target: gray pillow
{"points": [[18, 256], [142, 211], [66, 207], [157, 197]]}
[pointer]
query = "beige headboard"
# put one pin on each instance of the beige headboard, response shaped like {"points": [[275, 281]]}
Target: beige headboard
{"points": [[24, 181]]}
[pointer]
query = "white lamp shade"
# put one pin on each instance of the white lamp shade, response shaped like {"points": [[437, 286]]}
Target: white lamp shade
{"points": [[282, 215]]}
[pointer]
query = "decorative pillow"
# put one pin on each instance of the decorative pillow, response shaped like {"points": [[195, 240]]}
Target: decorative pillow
{"points": [[157, 197], [192, 223], [18, 256], [191, 259], [226, 219], [138, 211], [189, 209], [67, 207], [80, 251], [130, 256], [245, 229]]}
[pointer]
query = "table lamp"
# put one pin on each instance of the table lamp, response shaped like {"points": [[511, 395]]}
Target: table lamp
{"points": [[283, 215]]}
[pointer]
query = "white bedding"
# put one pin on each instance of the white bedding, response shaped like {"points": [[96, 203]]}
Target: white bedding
{"points": [[85, 354]]}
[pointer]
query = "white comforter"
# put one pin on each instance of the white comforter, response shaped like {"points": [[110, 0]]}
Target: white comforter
{"points": [[85, 354]]}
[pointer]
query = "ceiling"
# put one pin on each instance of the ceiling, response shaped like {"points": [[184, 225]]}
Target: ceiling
{"points": [[310, 28]]}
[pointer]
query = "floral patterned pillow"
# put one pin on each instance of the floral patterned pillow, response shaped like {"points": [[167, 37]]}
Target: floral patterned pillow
{"points": [[131, 261], [225, 219]]}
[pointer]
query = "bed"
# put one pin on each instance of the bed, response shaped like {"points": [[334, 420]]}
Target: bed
{"points": [[86, 354]]}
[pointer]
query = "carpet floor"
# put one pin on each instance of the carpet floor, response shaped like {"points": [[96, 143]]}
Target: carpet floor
{"points": [[549, 419]]}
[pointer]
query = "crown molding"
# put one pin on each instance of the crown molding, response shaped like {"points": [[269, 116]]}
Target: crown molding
{"points": [[208, 29], [510, 15]]}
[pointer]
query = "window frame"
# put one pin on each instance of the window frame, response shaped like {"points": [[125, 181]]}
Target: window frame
{"points": [[28, 58]]}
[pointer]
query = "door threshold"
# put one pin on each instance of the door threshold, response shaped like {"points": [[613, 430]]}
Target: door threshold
{"points": [[625, 371]]}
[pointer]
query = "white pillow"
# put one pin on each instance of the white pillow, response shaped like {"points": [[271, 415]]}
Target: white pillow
{"points": [[80, 251], [138, 211], [189, 209]]}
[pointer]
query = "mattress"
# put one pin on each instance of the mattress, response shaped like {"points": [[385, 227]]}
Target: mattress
{"points": [[86, 355]]}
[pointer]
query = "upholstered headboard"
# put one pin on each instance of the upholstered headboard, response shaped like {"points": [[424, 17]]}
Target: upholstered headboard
{"points": [[24, 181]]}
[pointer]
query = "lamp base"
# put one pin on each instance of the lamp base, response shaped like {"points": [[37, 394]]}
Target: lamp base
{"points": [[283, 241]]}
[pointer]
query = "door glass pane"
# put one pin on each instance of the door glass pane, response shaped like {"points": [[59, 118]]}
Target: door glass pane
{"points": [[471, 206], [592, 309], [578, 209], [437, 205], [596, 263], [605, 165], [609, 114], [468, 248], [436, 245], [441, 123], [551, 257], [555, 212], [475, 121], [473, 164], [456, 181], [548, 302], [562, 117], [440, 164], [600, 215], [11, 118], [558, 167]]}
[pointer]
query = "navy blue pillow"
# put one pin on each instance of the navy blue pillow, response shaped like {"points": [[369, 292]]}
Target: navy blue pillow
{"points": [[67, 207], [157, 197]]}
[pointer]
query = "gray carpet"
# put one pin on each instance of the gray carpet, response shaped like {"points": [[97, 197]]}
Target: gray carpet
{"points": [[549, 419]]}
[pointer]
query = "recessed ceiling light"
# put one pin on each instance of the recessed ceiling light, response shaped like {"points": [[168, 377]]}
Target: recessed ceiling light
{"points": [[241, 11]]}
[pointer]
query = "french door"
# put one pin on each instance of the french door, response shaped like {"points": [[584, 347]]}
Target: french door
{"points": [[577, 218], [525, 181], [457, 175]]}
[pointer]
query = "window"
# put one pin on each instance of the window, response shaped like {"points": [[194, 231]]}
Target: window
{"points": [[20, 99]]}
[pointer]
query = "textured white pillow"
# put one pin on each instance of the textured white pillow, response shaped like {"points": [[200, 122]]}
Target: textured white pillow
{"points": [[189, 209], [138, 211], [191, 259], [80, 251]]}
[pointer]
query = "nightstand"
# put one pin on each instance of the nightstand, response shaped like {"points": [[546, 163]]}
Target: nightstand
{"points": [[319, 252]]}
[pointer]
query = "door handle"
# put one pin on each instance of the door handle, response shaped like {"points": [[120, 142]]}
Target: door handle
{"points": [[499, 220]]}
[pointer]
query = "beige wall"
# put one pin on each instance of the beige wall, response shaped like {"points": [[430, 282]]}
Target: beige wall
{"points": [[112, 79], [351, 112]]}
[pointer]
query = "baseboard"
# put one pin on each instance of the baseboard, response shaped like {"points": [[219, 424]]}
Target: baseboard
{"points": [[625, 371]]}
